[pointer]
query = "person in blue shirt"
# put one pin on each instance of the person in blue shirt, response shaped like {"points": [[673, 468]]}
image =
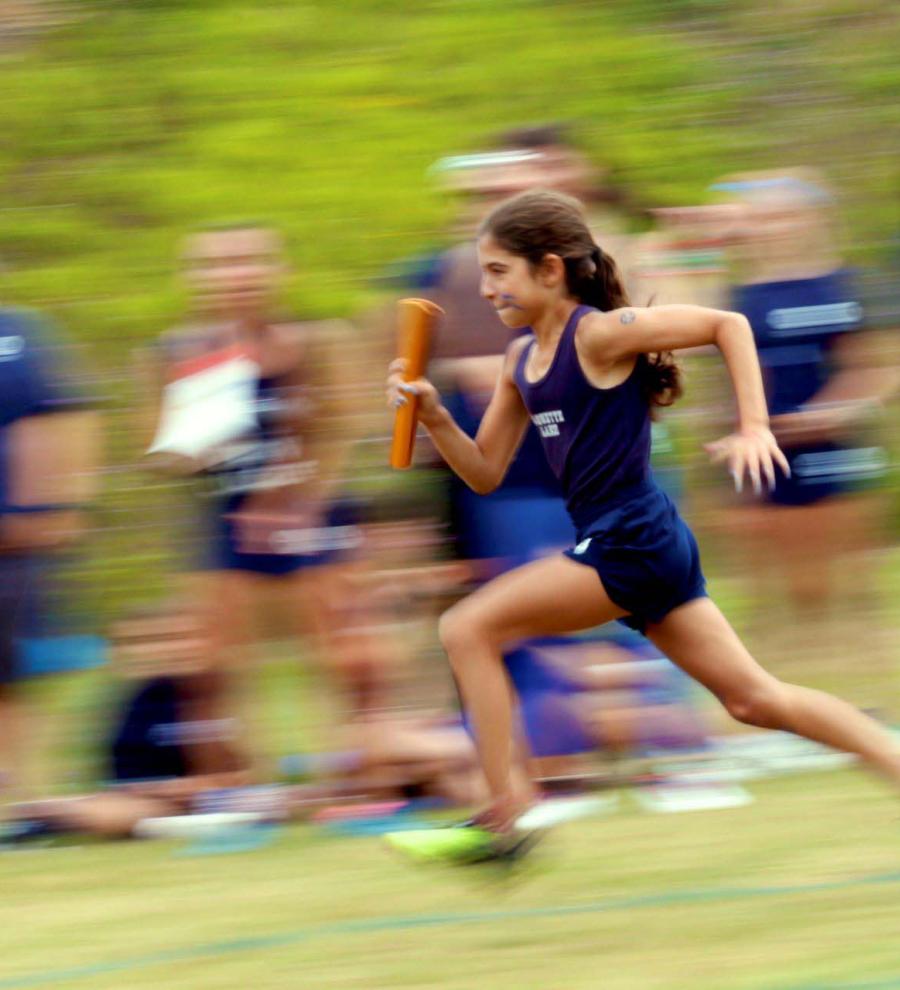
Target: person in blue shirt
{"points": [[809, 323], [48, 442], [588, 375]]}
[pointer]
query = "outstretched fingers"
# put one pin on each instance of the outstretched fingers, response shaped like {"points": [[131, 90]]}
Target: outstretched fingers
{"points": [[781, 460], [751, 454], [736, 463], [768, 468]]}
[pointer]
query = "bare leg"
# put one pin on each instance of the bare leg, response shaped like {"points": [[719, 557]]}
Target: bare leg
{"points": [[352, 640], [547, 597], [225, 601], [14, 754], [110, 814], [699, 639]]}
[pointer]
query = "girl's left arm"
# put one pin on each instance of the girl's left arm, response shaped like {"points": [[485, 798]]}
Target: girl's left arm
{"points": [[616, 337]]}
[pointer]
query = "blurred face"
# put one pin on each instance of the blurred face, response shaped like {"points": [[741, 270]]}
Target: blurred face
{"points": [[486, 187], [703, 225], [779, 236], [777, 223], [565, 170], [233, 273], [517, 292]]}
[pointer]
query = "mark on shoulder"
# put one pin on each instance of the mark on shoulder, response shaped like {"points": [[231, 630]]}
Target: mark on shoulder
{"points": [[599, 351]]}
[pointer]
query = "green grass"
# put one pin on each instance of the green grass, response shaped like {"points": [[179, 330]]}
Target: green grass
{"points": [[759, 897]]}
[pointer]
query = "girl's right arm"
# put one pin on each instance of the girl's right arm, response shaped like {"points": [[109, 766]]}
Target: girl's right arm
{"points": [[482, 463]]}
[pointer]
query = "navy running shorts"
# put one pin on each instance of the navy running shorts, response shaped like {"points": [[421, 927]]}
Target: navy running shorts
{"points": [[645, 555], [338, 538]]}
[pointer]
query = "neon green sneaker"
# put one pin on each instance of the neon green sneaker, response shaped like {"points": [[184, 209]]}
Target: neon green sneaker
{"points": [[463, 845]]}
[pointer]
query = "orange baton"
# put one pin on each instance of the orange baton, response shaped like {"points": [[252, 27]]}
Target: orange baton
{"points": [[415, 321]]}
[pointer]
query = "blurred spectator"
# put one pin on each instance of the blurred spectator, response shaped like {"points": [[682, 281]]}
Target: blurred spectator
{"points": [[414, 754], [170, 753], [168, 744], [683, 259], [523, 158], [259, 410], [48, 459], [615, 693], [824, 387]]}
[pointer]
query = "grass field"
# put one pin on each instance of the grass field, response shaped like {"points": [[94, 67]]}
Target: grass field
{"points": [[798, 890]]}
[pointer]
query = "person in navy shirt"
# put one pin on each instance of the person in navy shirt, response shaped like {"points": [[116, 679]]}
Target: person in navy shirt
{"points": [[47, 453], [809, 323], [588, 375]]}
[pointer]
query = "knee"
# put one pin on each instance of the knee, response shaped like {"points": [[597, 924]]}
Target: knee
{"points": [[462, 633], [761, 704], [453, 629]]}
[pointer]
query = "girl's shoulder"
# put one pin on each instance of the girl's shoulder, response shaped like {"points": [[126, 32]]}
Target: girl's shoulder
{"points": [[518, 344], [594, 327], [596, 345], [514, 350]]}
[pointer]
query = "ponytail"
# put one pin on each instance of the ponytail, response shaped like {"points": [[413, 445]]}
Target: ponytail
{"points": [[609, 280], [660, 378], [596, 281]]}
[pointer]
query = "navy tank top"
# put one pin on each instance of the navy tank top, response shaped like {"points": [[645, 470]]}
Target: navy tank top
{"points": [[272, 441], [597, 440]]}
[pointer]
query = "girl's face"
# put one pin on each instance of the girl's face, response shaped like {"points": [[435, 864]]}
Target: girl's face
{"points": [[518, 293]]}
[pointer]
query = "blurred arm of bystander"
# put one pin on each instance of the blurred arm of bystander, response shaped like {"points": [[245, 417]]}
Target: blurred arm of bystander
{"points": [[53, 463], [50, 443], [865, 381]]}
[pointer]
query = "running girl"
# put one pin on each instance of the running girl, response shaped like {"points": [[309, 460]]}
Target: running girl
{"points": [[589, 375]]}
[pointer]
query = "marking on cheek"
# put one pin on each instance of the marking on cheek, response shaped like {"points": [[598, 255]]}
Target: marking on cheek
{"points": [[509, 301]]}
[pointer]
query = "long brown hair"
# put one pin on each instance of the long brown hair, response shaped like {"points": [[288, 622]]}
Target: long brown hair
{"points": [[541, 222]]}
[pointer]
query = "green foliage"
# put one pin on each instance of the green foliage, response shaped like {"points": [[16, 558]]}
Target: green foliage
{"points": [[133, 122]]}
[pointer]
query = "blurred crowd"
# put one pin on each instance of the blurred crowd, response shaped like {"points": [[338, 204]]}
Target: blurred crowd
{"points": [[293, 540]]}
